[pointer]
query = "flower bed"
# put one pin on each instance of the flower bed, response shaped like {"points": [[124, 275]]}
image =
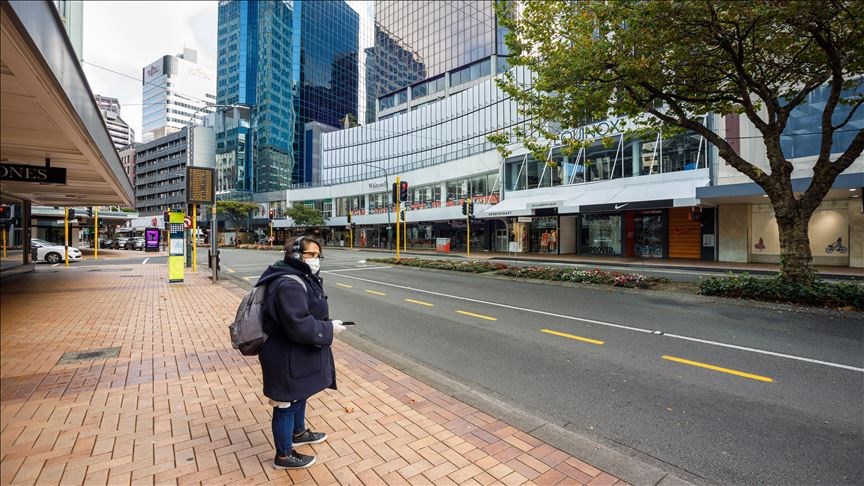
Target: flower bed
{"points": [[250, 246], [775, 289], [562, 274]]}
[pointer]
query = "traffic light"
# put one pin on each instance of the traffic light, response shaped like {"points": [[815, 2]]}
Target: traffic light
{"points": [[272, 213], [353, 226], [464, 208], [403, 191], [165, 219], [349, 217], [402, 215], [71, 213], [5, 213], [470, 207], [395, 193]]}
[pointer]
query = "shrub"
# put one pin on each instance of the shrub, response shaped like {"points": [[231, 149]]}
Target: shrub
{"points": [[777, 289], [457, 266]]}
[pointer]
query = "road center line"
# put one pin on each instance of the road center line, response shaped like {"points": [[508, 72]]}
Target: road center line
{"points": [[353, 269], [375, 292], [345, 285], [610, 324], [718, 368], [419, 302], [572, 336], [479, 316]]}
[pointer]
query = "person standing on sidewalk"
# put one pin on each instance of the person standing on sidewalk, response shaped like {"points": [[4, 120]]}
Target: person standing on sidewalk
{"points": [[296, 360]]}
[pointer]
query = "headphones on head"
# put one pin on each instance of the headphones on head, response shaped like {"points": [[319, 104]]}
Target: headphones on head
{"points": [[297, 247]]}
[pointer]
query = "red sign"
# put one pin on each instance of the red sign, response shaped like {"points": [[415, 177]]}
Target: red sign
{"points": [[154, 222], [187, 221]]}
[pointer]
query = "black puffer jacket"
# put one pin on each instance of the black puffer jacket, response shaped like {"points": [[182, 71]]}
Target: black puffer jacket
{"points": [[296, 360]]}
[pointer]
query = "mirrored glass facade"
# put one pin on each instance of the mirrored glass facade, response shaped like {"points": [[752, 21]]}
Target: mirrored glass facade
{"points": [[254, 69], [419, 40], [326, 43]]}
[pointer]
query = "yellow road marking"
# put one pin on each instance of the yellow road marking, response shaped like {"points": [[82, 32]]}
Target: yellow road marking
{"points": [[249, 278], [479, 316], [376, 293], [344, 285], [717, 368], [571, 336], [427, 304], [229, 270]]}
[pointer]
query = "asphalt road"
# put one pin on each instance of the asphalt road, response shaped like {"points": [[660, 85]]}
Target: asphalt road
{"points": [[728, 392]]}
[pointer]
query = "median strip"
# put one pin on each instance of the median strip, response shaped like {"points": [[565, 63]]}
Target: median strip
{"points": [[345, 285], [479, 316], [572, 336], [718, 368], [420, 302], [376, 293]]}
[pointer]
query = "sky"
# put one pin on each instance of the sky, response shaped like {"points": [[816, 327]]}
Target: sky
{"points": [[125, 36]]}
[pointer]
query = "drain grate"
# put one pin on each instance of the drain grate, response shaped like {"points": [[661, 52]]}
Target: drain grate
{"points": [[90, 354]]}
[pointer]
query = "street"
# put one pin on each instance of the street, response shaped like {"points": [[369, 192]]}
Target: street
{"points": [[779, 402]]}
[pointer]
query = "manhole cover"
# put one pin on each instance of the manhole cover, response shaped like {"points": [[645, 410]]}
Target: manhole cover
{"points": [[90, 354]]}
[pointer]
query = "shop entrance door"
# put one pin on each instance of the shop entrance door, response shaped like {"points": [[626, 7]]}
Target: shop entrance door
{"points": [[649, 235], [501, 239]]}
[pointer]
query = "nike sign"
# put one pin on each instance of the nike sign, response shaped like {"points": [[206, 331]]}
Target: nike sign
{"points": [[619, 206]]}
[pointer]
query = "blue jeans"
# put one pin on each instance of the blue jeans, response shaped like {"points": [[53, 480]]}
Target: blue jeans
{"points": [[287, 421]]}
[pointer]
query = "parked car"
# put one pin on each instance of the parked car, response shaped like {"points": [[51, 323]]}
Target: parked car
{"points": [[120, 242], [106, 243], [52, 252], [134, 243]]}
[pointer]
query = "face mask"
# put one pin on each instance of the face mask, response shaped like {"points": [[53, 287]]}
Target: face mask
{"points": [[314, 264]]}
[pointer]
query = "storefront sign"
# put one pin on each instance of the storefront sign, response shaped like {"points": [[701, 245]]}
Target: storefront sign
{"points": [[604, 128], [544, 204], [377, 185], [32, 173], [599, 208], [523, 219]]}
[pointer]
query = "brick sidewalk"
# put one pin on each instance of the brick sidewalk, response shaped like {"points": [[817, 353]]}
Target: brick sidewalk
{"points": [[179, 406]]}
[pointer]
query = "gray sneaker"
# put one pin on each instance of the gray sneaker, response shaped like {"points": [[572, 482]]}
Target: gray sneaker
{"points": [[294, 461], [308, 437]]}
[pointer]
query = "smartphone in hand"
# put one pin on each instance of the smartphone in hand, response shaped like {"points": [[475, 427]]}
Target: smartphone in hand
{"points": [[349, 323]]}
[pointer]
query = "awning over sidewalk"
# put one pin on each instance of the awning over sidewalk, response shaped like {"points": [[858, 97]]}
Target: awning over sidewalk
{"points": [[511, 206], [49, 116]]}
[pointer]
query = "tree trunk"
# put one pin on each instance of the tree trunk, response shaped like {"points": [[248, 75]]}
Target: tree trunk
{"points": [[796, 261]]}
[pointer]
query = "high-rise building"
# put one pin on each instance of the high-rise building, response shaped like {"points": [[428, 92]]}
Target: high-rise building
{"points": [[174, 89], [127, 158], [72, 14], [326, 43], [119, 131], [427, 50], [160, 168], [254, 145], [289, 64]]}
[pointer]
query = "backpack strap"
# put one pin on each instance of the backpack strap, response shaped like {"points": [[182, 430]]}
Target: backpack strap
{"points": [[272, 285], [298, 280]]}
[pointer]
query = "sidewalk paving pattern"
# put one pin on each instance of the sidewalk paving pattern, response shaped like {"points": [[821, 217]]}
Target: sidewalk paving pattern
{"points": [[178, 405]]}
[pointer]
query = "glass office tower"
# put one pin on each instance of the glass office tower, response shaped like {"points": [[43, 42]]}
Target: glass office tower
{"points": [[326, 44], [420, 40], [254, 142]]}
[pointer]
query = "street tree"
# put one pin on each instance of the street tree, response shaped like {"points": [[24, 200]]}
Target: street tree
{"points": [[665, 65], [237, 211], [305, 216]]}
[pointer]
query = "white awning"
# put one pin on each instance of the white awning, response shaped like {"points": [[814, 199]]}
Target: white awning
{"points": [[510, 206], [663, 190]]}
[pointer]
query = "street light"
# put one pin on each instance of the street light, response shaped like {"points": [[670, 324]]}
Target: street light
{"points": [[387, 198], [213, 226]]}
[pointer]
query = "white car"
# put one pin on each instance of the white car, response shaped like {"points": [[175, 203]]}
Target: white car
{"points": [[53, 253]]}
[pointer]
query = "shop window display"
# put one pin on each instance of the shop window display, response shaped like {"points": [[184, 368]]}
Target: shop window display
{"points": [[600, 234]]}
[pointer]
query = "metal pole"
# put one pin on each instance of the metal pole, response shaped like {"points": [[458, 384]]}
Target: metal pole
{"points": [[66, 235], [194, 238], [214, 249], [4, 241], [96, 232], [468, 225], [395, 194]]}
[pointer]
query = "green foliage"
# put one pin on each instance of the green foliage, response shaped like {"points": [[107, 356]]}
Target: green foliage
{"points": [[305, 216], [561, 274], [237, 211], [662, 66], [778, 289]]}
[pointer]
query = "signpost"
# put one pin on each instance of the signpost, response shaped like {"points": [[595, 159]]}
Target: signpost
{"points": [[176, 245], [396, 195], [200, 189]]}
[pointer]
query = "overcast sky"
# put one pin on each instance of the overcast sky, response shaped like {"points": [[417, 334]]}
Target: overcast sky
{"points": [[125, 36]]}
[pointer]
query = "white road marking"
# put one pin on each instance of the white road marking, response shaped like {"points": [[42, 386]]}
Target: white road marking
{"points": [[55, 264], [145, 261], [618, 326], [353, 269], [250, 278]]}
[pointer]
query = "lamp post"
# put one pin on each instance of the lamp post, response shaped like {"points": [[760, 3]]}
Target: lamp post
{"points": [[214, 249], [387, 198]]}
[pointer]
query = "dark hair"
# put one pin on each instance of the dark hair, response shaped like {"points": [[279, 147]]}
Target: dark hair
{"points": [[301, 243]]}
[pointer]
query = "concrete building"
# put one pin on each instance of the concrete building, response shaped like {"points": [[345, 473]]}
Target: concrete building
{"points": [[127, 158], [121, 133], [644, 196], [160, 168], [72, 15], [174, 89]]}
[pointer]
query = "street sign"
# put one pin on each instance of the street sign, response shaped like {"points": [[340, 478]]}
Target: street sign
{"points": [[347, 226], [271, 239], [199, 185], [187, 222]]}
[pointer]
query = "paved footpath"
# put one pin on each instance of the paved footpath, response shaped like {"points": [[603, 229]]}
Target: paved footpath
{"points": [[178, 405]]}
